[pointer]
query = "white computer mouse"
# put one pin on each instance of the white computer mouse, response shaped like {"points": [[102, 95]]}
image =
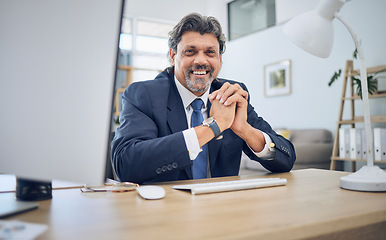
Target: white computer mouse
{"points": [[151, 192]]}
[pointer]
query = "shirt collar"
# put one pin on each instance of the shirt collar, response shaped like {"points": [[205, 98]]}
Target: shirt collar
{"points": [[188, 97]]}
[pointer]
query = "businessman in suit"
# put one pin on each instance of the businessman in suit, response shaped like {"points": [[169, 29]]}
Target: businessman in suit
{"points": [[162, 136]]}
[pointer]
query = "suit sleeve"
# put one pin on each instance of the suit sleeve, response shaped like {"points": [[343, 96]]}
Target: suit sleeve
{"points": [[139, 154], [285, 153]]}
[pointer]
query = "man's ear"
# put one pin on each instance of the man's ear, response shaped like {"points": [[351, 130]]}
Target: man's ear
{"points": [[172, 54]]}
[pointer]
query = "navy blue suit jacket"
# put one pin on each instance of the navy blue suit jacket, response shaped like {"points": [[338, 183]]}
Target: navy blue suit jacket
{"points": [[149, 145]]}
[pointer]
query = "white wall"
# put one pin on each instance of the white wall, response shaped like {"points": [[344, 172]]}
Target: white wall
{"points": [[174, 10], [286, 9], [312, 104]]}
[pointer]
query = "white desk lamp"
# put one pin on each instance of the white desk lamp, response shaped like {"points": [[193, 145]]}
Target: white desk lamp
{"points": [[313, 31]]}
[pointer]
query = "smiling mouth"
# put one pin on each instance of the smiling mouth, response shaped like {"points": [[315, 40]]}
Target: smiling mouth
{"points": [[200, 72]]}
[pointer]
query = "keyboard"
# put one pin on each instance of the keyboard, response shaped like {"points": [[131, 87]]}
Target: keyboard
{"points": [[224, 186]]}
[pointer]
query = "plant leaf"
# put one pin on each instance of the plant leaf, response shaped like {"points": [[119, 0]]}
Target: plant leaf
{"points": [[357, 82], [359, 90], [372, 85], [355, 53], [335, 77]]}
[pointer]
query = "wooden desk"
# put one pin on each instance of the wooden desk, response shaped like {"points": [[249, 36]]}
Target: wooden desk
{"points": [[310, 206]]}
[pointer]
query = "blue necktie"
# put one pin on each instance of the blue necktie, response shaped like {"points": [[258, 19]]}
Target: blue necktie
{"points": [[199, 168]]}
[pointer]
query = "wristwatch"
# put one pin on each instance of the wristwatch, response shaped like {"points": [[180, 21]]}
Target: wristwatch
{"points": [[211, 122]]}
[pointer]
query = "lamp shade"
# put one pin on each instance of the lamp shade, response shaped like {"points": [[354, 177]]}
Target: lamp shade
{"points": [[311, 32]]}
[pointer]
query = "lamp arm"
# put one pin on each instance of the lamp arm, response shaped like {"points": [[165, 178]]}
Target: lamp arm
{"points": [[365, 94]]}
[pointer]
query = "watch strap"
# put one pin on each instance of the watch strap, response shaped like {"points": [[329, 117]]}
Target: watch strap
{"points": [[215, 128]]}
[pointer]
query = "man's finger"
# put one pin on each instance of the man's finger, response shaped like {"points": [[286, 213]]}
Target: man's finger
{"points": [[235, 98], [232, 89]]}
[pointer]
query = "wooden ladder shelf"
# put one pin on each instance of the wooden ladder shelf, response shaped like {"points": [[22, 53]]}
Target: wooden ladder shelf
{"points": [[353, 120]]}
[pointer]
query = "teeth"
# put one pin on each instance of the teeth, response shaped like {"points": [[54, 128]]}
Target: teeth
{"points": [[199, 72]]}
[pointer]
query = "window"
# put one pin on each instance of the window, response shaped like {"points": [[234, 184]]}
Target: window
{"points": [[125, 41], [143, 52], [249, 16], [144, 44], [152, 37]]}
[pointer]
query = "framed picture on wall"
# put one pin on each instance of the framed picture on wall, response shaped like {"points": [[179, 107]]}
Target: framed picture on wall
{"points": [[277, 78]]}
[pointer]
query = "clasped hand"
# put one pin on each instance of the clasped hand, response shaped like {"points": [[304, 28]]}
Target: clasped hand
{"points": [[229, 107]]}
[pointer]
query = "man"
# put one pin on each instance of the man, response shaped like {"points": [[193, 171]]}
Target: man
{"points": [[161, 137]]}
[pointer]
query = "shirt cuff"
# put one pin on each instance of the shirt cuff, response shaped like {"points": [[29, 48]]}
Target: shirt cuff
{"points": [[268, 153], [191, 142]]}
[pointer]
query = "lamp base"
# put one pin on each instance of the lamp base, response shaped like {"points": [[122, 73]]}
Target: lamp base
{"points": [[367, 179]]}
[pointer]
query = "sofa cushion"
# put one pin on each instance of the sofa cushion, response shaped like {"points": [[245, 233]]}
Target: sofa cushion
{"points": [[313, 149], [284, 132], [307, 153], [310, 135]]}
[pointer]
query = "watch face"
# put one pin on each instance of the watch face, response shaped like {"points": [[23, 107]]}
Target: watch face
{"points": [[208, 121]]}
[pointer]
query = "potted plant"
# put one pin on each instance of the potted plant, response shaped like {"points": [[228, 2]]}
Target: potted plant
{"points": [[372, 79]]}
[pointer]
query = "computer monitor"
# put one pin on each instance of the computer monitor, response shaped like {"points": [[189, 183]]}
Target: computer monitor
{"points": [[58, 62]]}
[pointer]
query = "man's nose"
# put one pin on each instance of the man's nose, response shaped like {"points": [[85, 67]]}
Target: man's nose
{"points": [[200, 58]]}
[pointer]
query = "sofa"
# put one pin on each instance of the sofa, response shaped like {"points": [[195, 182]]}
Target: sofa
{"points": [[313, 149]]}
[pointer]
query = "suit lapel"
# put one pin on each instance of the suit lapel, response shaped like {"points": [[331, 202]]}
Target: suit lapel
{"points": [[176, 116]]}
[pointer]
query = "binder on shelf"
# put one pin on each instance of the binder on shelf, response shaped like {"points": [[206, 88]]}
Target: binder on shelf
{"points": [[355, 143], [344, 142], [380, 143]]}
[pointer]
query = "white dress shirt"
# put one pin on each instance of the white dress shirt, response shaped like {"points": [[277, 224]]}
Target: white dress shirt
{"points": [[190, 135]]}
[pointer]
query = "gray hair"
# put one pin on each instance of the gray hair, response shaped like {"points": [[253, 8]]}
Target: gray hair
{"points": [[195, 22]]}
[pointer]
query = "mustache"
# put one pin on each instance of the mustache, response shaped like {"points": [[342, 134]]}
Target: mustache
{"points": [[200, 67]]}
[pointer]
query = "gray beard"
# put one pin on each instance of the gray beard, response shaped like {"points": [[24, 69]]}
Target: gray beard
{"points": [[190, 83]]}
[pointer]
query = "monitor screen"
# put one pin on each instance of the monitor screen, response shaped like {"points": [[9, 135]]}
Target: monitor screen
{"points": [[58, 63]]}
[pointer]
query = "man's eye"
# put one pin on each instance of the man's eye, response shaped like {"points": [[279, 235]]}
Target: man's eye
{"points": [[189, 51], [211, 53]]}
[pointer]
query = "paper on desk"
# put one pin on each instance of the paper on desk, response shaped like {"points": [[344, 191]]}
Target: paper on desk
{"points": [[20, 230]]}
